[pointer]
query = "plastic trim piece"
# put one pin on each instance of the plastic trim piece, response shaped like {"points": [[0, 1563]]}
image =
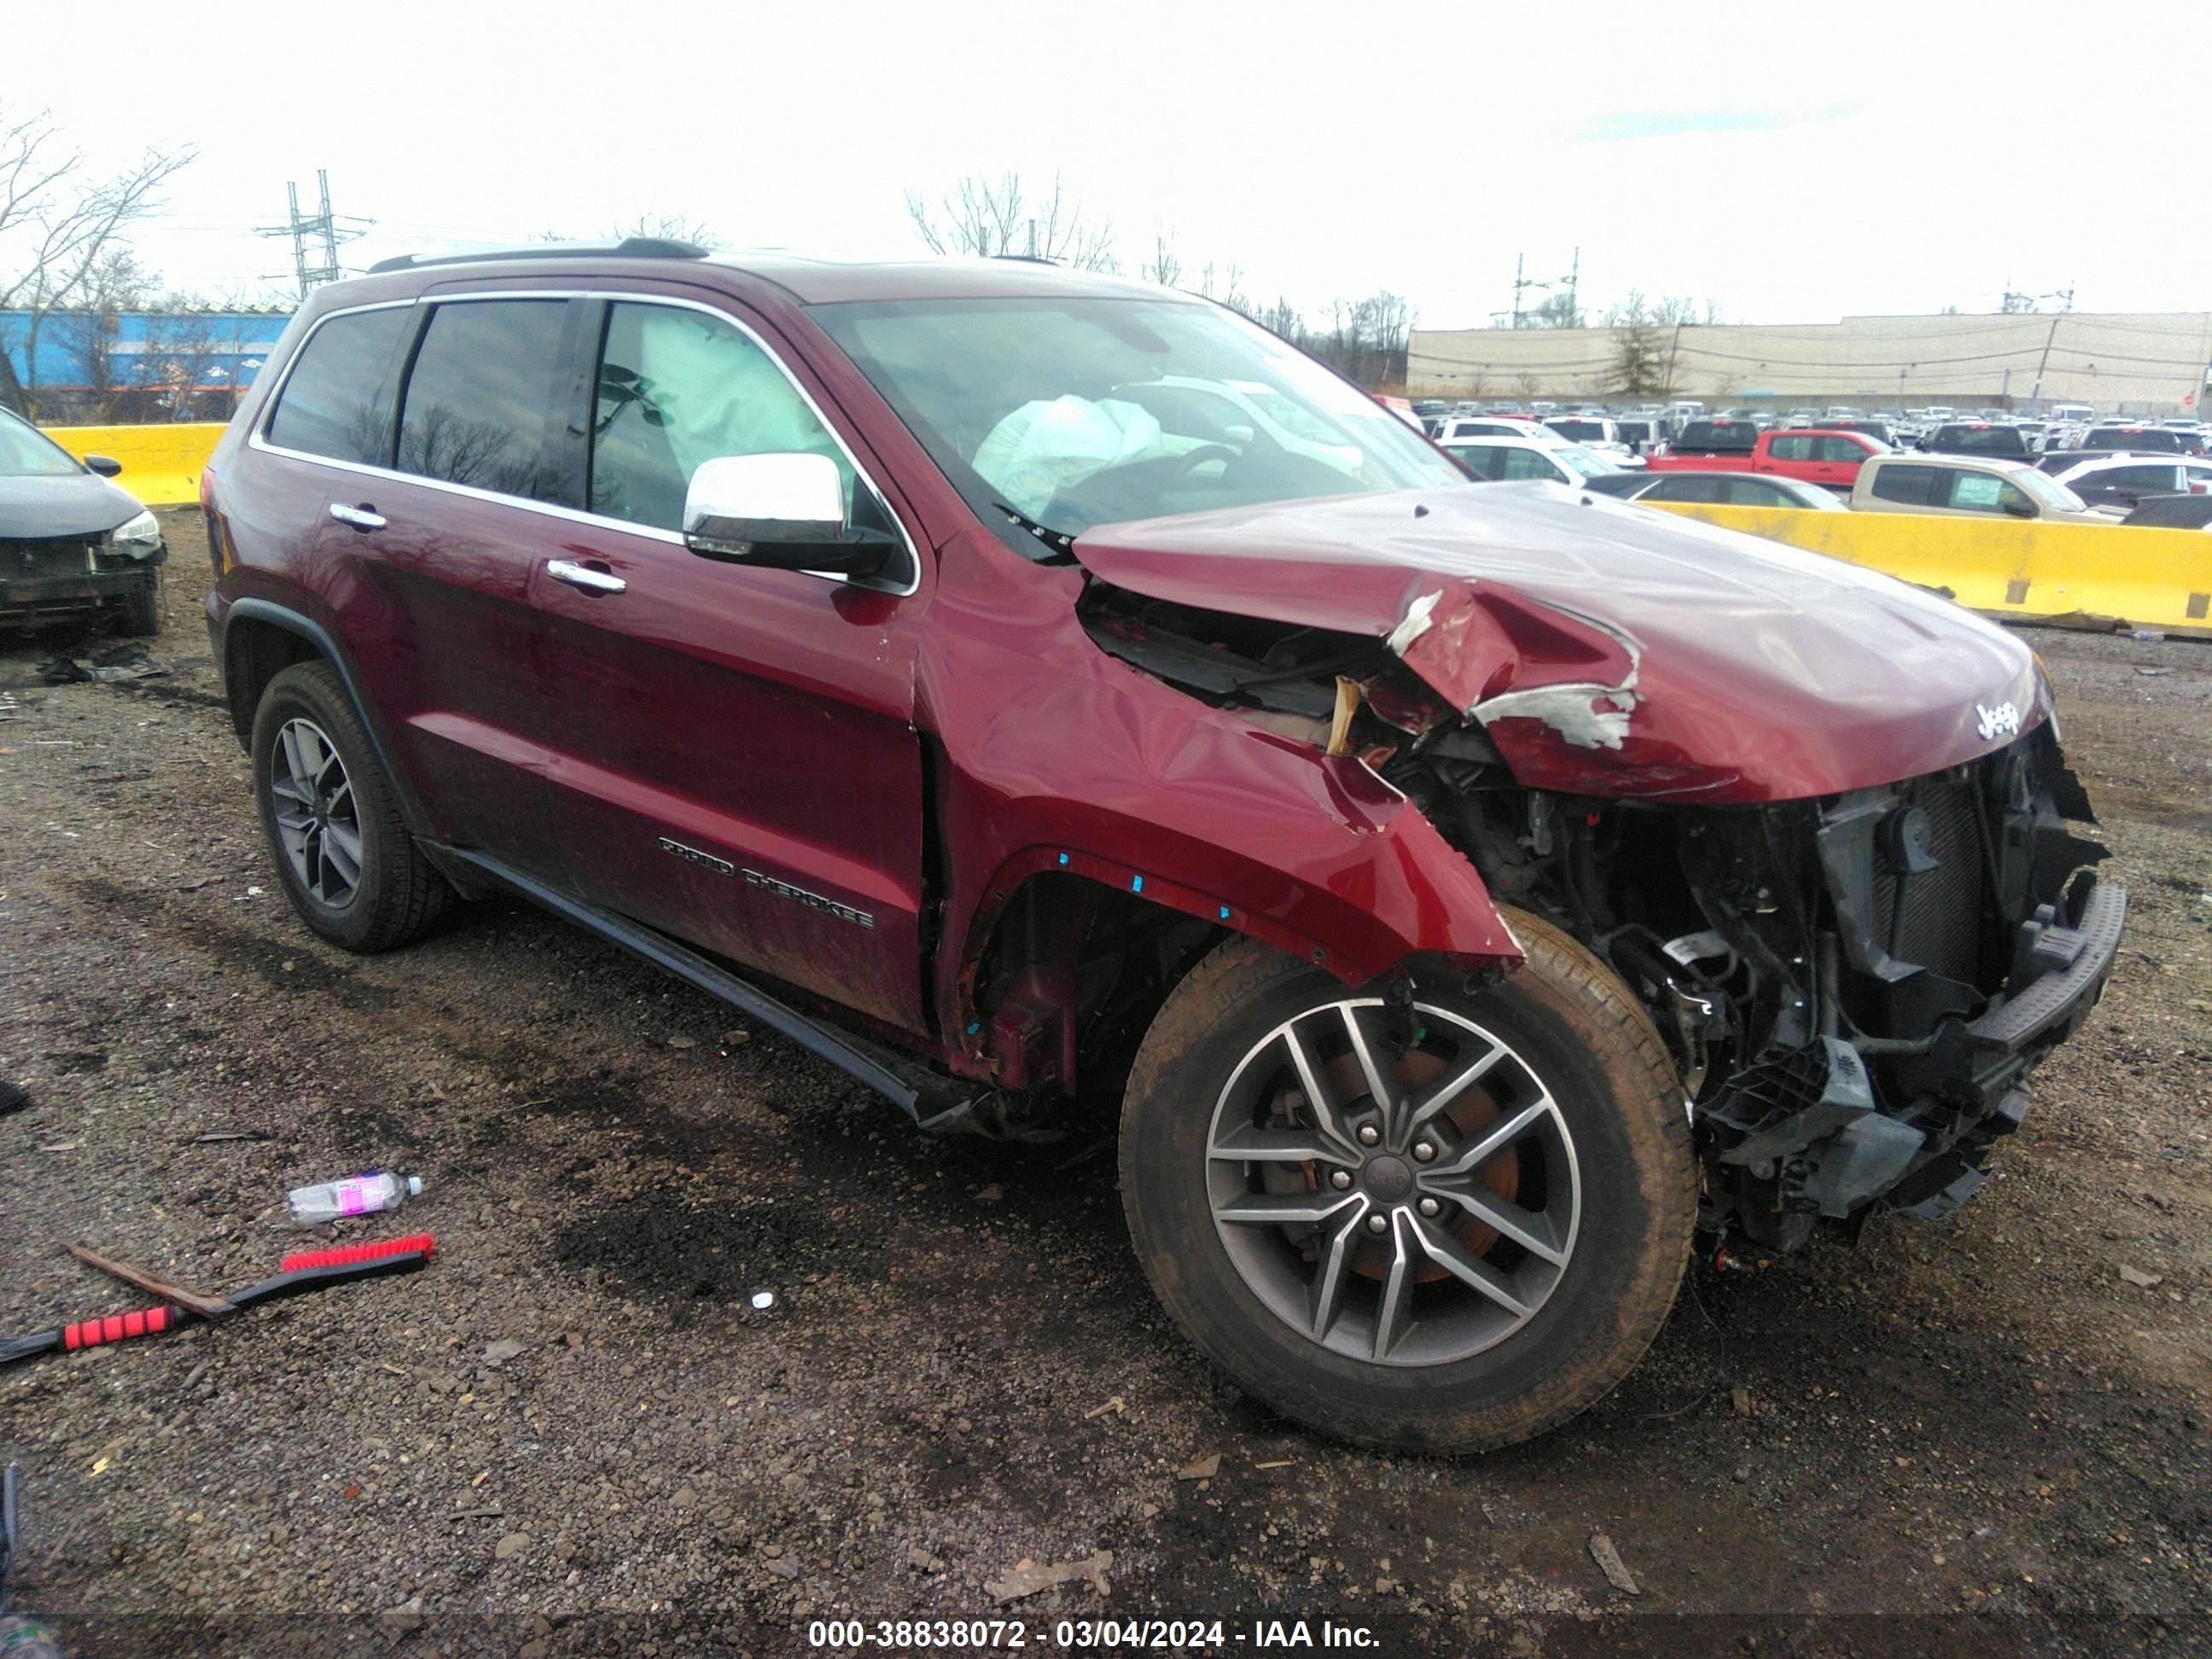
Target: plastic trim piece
{"points": [[2056, 997]]}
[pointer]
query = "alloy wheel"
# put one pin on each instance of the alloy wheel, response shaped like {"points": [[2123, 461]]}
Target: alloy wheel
{"points": [[1398, 1186], [316, 819]]}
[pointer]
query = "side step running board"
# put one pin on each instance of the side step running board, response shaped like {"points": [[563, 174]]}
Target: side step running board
{"points": [[933, 1102]]}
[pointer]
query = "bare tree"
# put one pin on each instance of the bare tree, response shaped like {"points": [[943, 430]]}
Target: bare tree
{"points": [[1557, 311], [1641, 357], [1283, 319], [987, 217], [1165, 267], [58, 228], [88, 330], [663, 226], [1366, 339]]}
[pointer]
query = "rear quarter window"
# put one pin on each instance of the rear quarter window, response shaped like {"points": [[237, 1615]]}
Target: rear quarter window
{"points": [[1908, 486], [336, 401]]}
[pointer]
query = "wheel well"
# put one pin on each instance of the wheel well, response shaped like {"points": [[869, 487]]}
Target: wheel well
{"points": [[1072, 976], [254, 652]]}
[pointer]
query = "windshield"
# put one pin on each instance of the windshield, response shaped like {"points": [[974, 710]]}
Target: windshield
{"points": [[1078, 412], [27, 453]]}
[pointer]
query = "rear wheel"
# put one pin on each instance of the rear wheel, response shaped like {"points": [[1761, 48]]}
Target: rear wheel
{"points": [[332, 819], [1445, 1228]]}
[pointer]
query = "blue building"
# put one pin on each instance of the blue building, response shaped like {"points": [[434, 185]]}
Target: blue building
{"points": [[137, 364]]}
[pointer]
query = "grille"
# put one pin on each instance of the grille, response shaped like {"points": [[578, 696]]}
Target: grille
{"points": [[1934, 918], [50, 555]]}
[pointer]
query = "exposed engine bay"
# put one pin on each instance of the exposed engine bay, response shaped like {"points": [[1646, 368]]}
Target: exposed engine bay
{"points": [[1853, 987]]}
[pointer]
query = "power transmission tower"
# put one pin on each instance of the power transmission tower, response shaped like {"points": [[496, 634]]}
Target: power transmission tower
{"points": [[1522, 284], [316, 234]]}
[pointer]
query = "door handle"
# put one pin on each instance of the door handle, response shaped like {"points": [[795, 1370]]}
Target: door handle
{"points": [[584, 578], [363, 516]]}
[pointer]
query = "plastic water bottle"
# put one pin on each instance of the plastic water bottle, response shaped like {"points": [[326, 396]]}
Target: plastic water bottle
{"points": [[360, 1194]]}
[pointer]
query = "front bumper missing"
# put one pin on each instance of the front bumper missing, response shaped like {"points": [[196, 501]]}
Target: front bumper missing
{"points": [[1808, 1127]]}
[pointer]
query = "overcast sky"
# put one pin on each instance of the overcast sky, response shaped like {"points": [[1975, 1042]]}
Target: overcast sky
{"points": [[1794, 163]]}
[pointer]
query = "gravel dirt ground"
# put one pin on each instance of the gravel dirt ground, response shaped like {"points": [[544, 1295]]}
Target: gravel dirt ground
{"points": [[574, 1433]]}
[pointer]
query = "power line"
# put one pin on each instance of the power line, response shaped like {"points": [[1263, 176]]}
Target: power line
{"points": [[321, 227]]}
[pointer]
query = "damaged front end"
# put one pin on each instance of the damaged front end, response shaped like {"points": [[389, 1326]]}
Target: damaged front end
{"points": [[1854, 983]]}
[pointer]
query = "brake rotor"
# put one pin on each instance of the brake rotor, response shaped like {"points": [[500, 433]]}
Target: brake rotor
{"points": [[1472, 1113]]}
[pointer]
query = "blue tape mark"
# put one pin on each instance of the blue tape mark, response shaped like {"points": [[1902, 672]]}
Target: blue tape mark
{"points": [[1225, 912], [974, 1028], [1063, 858], [1136, 883]]}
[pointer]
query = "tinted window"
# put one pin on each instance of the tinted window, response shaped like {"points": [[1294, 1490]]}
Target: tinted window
{"points": [[338, 396], [1581, 431], [1689, 486], [485, 396], [1908, 486], [1790, 448], [2114, 437], [2137, 478], [1480, 459], [676, 387], [1837, 449], [1718, 434], [1750, 492], [1530, 464]]}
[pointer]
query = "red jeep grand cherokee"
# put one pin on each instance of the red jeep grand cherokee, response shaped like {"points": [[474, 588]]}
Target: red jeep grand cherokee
{"points": [[1008, 682]]}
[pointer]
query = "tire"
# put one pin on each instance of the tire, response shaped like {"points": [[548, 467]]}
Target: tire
{"points": [[142, 610], [351, 869], [1498, 1334]]}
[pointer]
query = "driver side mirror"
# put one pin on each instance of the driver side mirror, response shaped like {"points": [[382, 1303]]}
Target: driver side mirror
{"points": [[782, 512], [2020, 509], [105, 465]]}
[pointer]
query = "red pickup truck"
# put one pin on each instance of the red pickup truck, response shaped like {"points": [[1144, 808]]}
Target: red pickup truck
{"points": [[1815, 456]]}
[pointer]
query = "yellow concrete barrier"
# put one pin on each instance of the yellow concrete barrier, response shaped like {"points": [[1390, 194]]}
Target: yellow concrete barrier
{"points": [[160, 464], [2079, 573]]}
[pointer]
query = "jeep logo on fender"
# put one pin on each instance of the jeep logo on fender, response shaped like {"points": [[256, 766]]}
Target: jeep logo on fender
{"points": [[2004, 718], [812, 901]]}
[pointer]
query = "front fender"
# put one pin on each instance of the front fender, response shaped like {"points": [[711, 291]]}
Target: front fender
{"points": [[1059, 756]]}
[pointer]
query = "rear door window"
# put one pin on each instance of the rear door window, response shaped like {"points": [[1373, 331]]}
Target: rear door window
{"points": [[1908, 486], [1837, 449], [1794, 448], [486, 402], [336, 401], [1530, 464]]}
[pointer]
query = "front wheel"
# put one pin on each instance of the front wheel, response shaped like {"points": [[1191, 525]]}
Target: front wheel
{"points": [[1443, 1228]]}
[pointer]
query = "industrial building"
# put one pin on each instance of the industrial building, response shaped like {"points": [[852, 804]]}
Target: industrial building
{"points": [[2120, 362]]}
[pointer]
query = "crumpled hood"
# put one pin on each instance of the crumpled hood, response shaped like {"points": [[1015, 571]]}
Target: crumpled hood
{"points": [[1609, 649], [80, 504]]}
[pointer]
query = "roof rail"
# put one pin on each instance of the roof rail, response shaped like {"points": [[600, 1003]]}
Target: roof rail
{"points": [[1025, 258], [630, 247]]}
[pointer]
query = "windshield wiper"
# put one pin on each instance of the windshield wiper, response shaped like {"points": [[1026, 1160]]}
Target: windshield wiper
{"points": [[1058, 540]]}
